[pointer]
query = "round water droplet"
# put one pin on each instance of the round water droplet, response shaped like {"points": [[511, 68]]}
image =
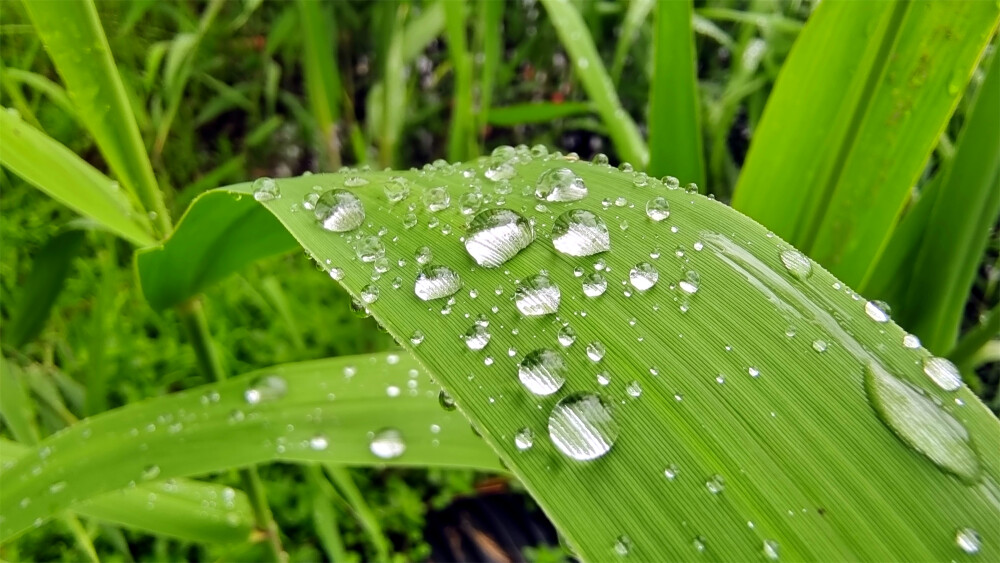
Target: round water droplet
{"points": [[600, 159], [670, 472], [339, 211], [423, 255], [657, 209], [715, 484], [477, 337], [265, 189], [771, 550], [501, 165], [643, 276], [537, 296], [497, 235], [309, 201], [911, 341], [370, 248], [524, 439], [436, 199], [690, 283], [603, 378], [578, 232], [566, 336], [698, 543], [797, 264], [594, 285], [968, 540], [445, 400], [634, 389], [470, 202], [417, 338], [369, 294], [819, 346], [543, 371], [921, 424], [150, 472], [409, 220], [436, 282], [387, 444], [943, 373], [266, 388], [582, 426], [623, 546], [560, 184], [396, 189], [318, 443], [877, 311], [595, 351]]}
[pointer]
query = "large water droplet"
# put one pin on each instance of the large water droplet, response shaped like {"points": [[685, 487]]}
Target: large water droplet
{"points": [[543, 371], [436, 282], [524, 439], [387, 444], [968, 540], [578, 232], [943, 373], [339, 211], [477, 337], [560, 184], [921, 424], [877, 311], [643, 276], [796, 263], [537, 296], [266, 388], [497, 235], [594, 285], [265, 189], [658, 209], [582, 426]]}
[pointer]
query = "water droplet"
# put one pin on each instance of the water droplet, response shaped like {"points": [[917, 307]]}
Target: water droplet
{"points": [[603, 378], [670, 472], [643, 276], [150, 472], [57, 487], [911, 341], [771, 550], [943, 373], [266, 388], [355, 182], [634, 389], [715, 484], [436, 199], [968, 540], [690, 283], [543, 371], [445, 400], [582, 426], [595, 351], [699, 544], [501, 167], [318, 443], [436, 282], [477, 337], [657, 209], [578, 232], [369, 294], [594, 285], [877, 311], [623, 546], [369, 248], [409, 220], [387, 444], [921, 424], [524, 439], [566, 336], [537, 296], [560, 184], [497, 235], [797, 264], [819, 346], [396, 189], [339, 211], [754, 372], [265, 189], [600, 159]]}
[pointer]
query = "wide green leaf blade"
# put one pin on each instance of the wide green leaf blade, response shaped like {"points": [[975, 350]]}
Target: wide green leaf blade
{"points": [[324, 410], [181, 508], [760, 388], [216, 237], [57, 171], [851, 122]]}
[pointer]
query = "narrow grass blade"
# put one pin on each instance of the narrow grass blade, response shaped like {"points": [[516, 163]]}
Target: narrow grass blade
{"points": [[850, 123], [16, 408], [600, 89], [394, 84], [307, 412], [55, 93], [635, 16], [461, 134], [737, 388], [215, 238], [341, 478], [490, 28], [325, 524], [422, 30], [70, 30], [57, 171], [323, 86], [976, 339], [541, 112], [675, 145], [179, 508]]}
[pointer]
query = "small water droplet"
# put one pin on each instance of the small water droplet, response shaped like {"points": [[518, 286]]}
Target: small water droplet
{"points": [[819, 346], [339, 211], [603, 378], [560, 184], [436, 282], [537, 296], [265, 189], [943, 373], [643, 276], [266, 388], [968, 540], [698, 543], [634, 389], [595, 351], [423, 255], [670, 472], [445, 400], [594, 285], [623, 546], [524, 439], [150, 472], [318, 443], [409, 220], [771, 550], [579, 232], [436, 199], [387, 443], [370, 248], [543, 371], [797, 264], [477, 337], [690, 283], [566, 336], [582, 426], [657, 209], [470, 202], [715, 484], [497, 235], [369, 294], [911, 341], [877, 311]]}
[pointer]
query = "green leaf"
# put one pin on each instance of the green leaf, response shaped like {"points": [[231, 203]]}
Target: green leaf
{"points": [[856, 111], [42, 286], [216, 237], [181, 508], [736, 373], [57, 171], [674, 109], [539, 112], [307, 412], [73, 37], [579, 45], [322, 77], [461, 134], [16, 409], [635, 16]]}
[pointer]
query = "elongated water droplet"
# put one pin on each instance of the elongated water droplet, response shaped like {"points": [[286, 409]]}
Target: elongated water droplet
{"points": [[943, 373], [911, 341], [921, 424], [578, 232], [537, 296], [150, 472], [643, 276], [797, 264], [497, 235], [339, 211], [265, 189], [968, 540], [770, 550], [387, 444], [318, 443], [543, 371], [594, 285], [266, 388], [477, 337], [877, 311], [582, 426], [436, 282], [524, 439], [445, 400], [560, 184], [658, 209]]}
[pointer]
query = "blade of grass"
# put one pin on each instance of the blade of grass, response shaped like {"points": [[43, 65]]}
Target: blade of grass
{"points": [[490, 30], [16, 408], [975, 339], [394, 86], [674, 108], [848, 129], [540, 112], [325, 515], [68, 30], [461, 133], [42, 84], [341, 478], [635, 16], [54, 169], [323, 86], [213, 427], [600, 89]]}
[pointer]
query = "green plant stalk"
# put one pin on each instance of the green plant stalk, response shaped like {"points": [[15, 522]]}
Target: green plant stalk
{"points": [[394, 90], [461, 139], [341, 477], [322, 77], [81, 536], [489, 31], [193, 316]]}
